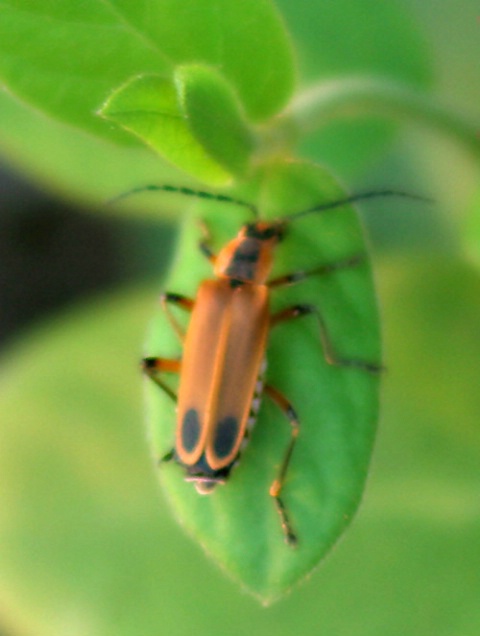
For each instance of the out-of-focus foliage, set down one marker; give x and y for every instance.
(87, 544)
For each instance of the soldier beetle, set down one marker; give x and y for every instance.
(222, 369)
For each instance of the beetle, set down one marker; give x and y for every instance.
(222, 369)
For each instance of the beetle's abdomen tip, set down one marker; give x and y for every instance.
(205, 487)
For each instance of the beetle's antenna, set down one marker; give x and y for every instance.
(356, 197)
(200, 194)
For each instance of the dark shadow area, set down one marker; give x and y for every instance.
(53, 253)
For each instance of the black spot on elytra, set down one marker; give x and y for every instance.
(226, 436)
(190, 430)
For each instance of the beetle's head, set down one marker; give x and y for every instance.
(249, 256)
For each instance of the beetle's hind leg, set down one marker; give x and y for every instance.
(277, 484)
(154, 367)
(297, 311)
(168, 457)
(331, 356)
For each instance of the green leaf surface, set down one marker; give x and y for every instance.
(88, 547)
(337, 407)
(471, 230)
(149, 106)
(345, 39)
(65, 58)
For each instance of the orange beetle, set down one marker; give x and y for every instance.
(226, 339)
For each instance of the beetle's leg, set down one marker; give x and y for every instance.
(153, 367)
(296, 277)
(180, 301)
(204, 244)
(277, 485)
(167, 457)
(297, 311)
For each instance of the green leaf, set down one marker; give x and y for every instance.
(215, 116)
(65, 58)
(195, 122)
(149, 107)
(337, 407)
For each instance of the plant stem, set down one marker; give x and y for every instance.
(357, 96)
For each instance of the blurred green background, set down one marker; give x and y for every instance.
(87, 545)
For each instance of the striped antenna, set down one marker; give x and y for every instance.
(353, 199)
(199, 194)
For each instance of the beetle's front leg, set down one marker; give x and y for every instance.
(320, 270)
(204, 244)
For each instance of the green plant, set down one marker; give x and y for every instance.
(227, 123)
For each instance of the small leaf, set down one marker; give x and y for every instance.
(238, 524)
(149, 107)
(214, 116)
